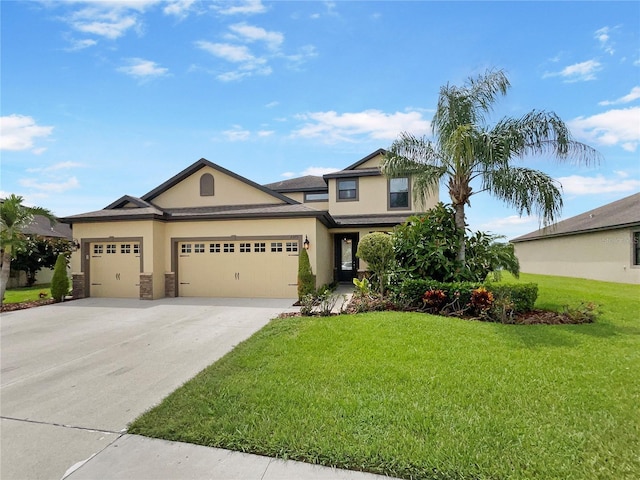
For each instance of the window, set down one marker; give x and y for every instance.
(97, 249)
(399, 193)
(125, 248)
(111, 248)
(316, 197)
(136, 248)
(214, 248)
(292, 246)
(245, 248)
(276, 246)
(348, 190)
(198, 248)
(186, 248)
(260, 247)
(228, 247)
(206, 185)
(636, 248)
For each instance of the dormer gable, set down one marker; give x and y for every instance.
(205, 184)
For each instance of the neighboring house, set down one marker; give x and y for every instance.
(208, 232)
(40, 226)
(601, 244)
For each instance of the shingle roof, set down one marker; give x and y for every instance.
(619, 214)
(42, 226)
(300, 184)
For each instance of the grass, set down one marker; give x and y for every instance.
(426, 397)
(26, 294)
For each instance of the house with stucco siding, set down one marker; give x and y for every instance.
(209, 232)
(601, 244)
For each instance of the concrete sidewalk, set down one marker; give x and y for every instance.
(141, 458)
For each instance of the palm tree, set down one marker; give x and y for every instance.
(466, 148)
(14, 216)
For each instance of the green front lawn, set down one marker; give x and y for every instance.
(26, 294)
(419, 396)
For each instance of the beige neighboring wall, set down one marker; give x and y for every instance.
(322, 250)
(227, 191)
(605, 256)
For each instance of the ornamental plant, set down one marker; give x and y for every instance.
(60, 280)
(306, 278)
(377, 250)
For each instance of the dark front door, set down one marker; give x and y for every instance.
(346, 261)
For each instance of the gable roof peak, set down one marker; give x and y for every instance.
(201, 163)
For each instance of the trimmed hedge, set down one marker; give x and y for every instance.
(522, 295)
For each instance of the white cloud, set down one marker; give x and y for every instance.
(581, 185)
(288, 174)
(56, 167)
(318, 171)
(630, 97)
(143, 69)
(81, 44)
(178, 8)
(374, 124)
(265, 133)
(578, 72)
(250, 33)
(51, 187)
(614, 127)
(248, 7)
(604, 38)
(506, 222)
(237, 134)
(272, 104)
(17, 132)
(248, 64)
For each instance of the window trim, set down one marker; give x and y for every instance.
(207, 185)
(348, 179)
(307, 200)
(408, 207)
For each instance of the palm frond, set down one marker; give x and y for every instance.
(527, 190)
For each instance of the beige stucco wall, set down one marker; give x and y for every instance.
(322, 249)
(603, 256)
(373, 192)
(227, 191)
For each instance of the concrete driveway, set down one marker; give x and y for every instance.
(75, 374)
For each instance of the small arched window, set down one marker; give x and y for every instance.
(206, 185)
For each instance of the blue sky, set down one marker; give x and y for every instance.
(106, 98)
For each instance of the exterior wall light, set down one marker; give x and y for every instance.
(306, 243)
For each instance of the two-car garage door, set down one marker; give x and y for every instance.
(238, 268)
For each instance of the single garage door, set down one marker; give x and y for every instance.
(247, 268)
(114, 269)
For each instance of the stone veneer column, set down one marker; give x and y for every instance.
(170, 284)
(77, 285)
(146, 286)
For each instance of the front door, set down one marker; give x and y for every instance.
(346, 261)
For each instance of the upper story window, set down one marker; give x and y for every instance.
(316, 197)
(399, 193)
(636, 248)
(206, 185)
(347, 190)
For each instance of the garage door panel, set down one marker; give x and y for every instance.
(248, 268)
(115, 269)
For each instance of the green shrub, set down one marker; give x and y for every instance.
(306, 278)
(60, 280)
(376, 249)
(522, 295)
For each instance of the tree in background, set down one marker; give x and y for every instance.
(38, 253)
(14, 217)
(377, 250)
(467, 149)
(60, 280)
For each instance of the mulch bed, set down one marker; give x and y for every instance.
(10, 307)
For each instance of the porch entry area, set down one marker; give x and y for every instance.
(346, 262)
